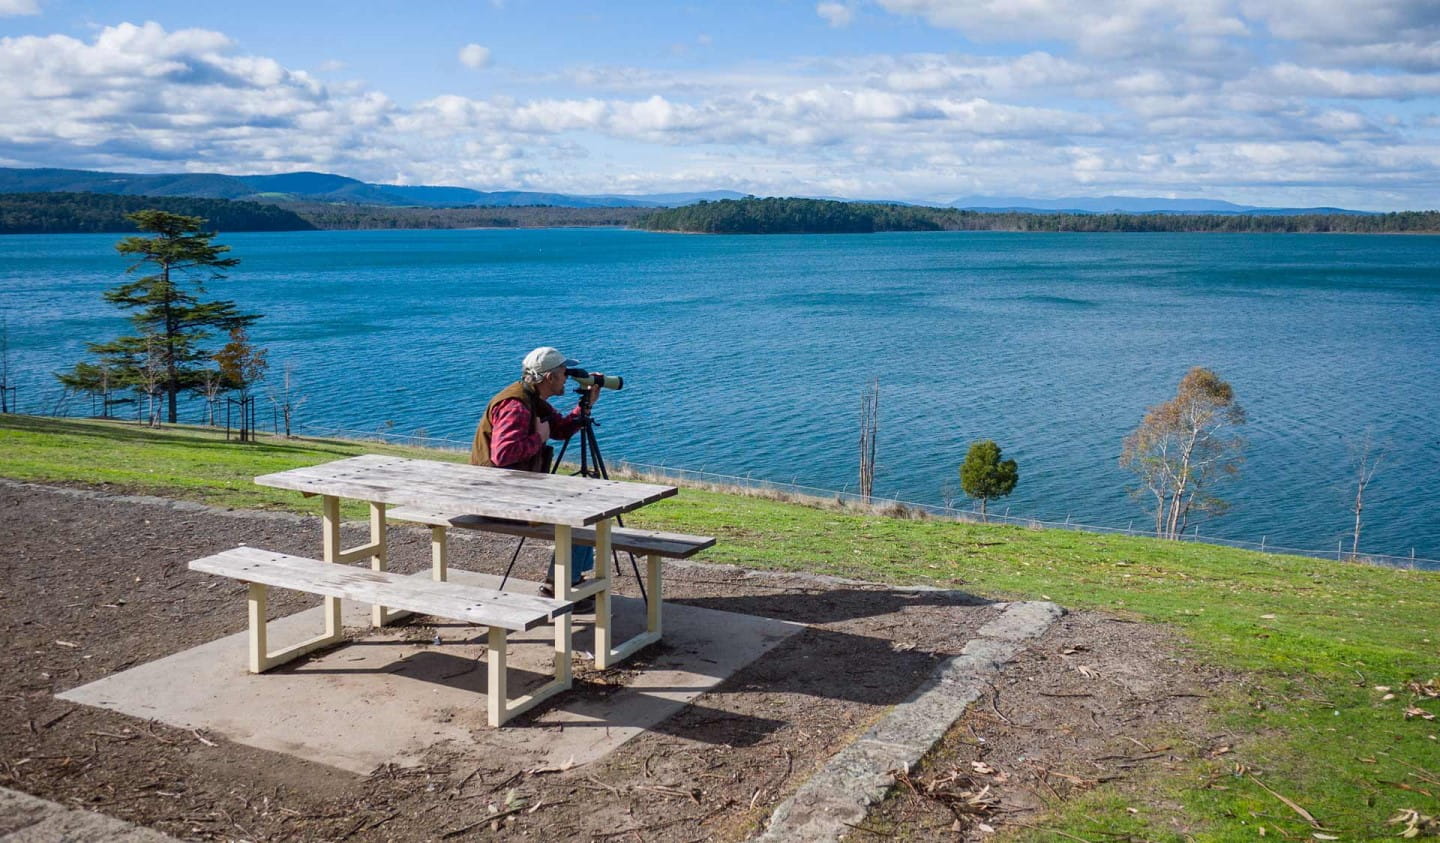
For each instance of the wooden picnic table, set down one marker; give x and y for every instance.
(564, 502)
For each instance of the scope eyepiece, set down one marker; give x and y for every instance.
(587, 379)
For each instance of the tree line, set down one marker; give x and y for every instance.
(824, 216)
(105, 213)
(55, 213)
(351, 217)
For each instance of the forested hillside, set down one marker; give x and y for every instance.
(78, 213)
(335, 216)
(819, 216)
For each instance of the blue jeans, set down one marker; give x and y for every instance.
(582, 559)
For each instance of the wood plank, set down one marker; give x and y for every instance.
(366, 474)
(670, 545)
(425, 596)
(549, 498)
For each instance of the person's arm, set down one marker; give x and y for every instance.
(563, 427)
(513, 438)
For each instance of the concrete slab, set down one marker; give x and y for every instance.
(392, 694)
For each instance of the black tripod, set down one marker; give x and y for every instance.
(592, 464)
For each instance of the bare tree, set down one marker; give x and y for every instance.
(869, 425)
(1182, 447)
(211, 384)
(1365, 459)
(285, 396)
(151, 376)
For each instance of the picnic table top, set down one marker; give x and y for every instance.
(473, 490)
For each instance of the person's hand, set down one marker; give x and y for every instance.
(595, 388)
(542, 427)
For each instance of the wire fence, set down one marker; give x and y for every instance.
(795, 490)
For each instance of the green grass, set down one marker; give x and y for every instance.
(1310, 638)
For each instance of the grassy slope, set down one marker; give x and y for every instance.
(1314, 638)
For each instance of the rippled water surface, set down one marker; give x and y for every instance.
(747, 355)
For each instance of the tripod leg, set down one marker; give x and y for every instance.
(511, 566)
(587, 439)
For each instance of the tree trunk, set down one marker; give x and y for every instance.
(1359, 505)
(172, 378)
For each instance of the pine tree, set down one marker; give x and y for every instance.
(170, 315)
(984, 476)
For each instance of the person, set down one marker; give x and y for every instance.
(518, 422)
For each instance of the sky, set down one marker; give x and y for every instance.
(1279, 103)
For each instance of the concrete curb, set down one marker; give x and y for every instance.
(29, 819)
(841, 793)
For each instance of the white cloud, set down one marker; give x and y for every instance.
(1340, 22)
(1100, 27)
(837, 15)
(475, 56)
(1293, 79)
(139, 97)
(19, 7)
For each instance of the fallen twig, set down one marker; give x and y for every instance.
(1294, 807)
(57, 718)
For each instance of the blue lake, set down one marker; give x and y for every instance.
(748, 355)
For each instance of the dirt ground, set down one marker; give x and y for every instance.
(92, 583)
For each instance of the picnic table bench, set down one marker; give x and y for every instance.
(557, 505)
(502, 612)
(652, 544)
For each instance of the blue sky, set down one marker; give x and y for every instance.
(1267, 102)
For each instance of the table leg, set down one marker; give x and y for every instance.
(439, 555)
(560, 574)
(261, 659)
(379, 561)
(602, 598)
(653, 589)
(330, 520)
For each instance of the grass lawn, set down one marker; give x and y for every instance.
(1314, 640)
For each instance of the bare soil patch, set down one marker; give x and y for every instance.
(92, 583)
(1097, 700)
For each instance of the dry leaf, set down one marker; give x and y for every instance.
(1322, 836)
(1382, 688)
(985, 828)
(903, 647)
(1088, 671)
(1388, 697)
(1267, 617)
(982, 767)
(1416, 711)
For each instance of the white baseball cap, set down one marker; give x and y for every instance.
(545, 359)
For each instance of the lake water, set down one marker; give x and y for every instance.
(748, 355)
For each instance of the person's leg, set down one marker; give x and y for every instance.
(582, 560)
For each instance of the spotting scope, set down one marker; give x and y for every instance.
(588, 379)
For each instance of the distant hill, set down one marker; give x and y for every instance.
(78, 213)
(1127, 205)
(313, 187)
